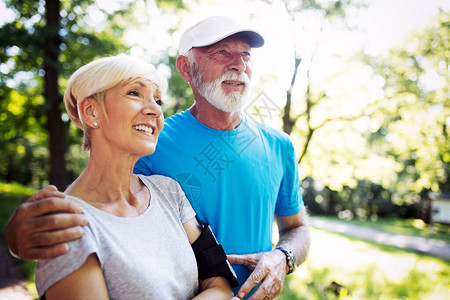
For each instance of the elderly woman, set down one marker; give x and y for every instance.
(137, 244)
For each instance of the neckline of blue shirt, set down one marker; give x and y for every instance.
(238, 129)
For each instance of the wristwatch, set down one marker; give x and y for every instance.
(290, 259)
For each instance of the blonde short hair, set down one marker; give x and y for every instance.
(95, 78)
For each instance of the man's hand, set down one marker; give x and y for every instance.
(40, 226)
(268, 267)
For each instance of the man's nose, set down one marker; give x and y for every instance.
(237, 63)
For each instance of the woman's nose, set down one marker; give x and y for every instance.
(151, 107)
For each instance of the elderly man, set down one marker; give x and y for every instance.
(238, 174)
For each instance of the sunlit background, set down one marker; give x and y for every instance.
(368, 112)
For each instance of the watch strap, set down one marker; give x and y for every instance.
(290, 259)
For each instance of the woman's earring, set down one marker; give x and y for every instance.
(95, 124)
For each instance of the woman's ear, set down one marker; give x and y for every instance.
(89, 112)
(184, 68)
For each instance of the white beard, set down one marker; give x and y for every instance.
(212, 91)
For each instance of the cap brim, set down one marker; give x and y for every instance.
(254, 38)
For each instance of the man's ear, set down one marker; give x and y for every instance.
(89, 111)
(184, 68)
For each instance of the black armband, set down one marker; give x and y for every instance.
(211, 258)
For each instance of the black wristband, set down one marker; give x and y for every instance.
(211, 258)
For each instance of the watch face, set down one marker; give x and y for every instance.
(290, 259)
(294, 260)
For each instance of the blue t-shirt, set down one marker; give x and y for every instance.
(235, 180)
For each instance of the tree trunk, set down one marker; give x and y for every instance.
(331, 207)
(57, 132)
(288, 121)
(305, 147)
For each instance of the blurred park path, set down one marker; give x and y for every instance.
(419, 244)
(11, 280)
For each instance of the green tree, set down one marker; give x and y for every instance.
(384, 153)
(413, 117)
(304, 122)
(179, 90)
(41, 46)
(389, 165)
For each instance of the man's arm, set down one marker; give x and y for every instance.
(270, 268)
(42, 225)
(294, 234)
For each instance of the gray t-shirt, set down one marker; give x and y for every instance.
(143, 257)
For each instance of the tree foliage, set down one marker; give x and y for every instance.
(41, 46)
(181, 96)
(386, 165)
(328, 12)
(414, 116)
(404, 151)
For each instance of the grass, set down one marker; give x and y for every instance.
(11, 196)
(338, 267)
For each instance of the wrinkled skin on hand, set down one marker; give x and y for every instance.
(268, 267)
(42, 225)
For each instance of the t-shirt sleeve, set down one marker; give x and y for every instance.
(290, 200)
(185, 209)
(49, 271)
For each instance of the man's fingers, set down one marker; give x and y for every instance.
(253, 280)
(55, 222)
(48, 191)
(247, 260)
(48, 205)
(49, 230)
(51, 238)
(46, 244)
(270, 273)
(47, 252)
(235, 259)
(49, 244)
(26, 231)
(269, 289)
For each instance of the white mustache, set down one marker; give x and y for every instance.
(230, 75)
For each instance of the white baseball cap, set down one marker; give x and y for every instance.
(214, 29)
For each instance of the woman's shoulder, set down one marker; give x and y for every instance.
(156, 178)
(170, 195)
(161, 182)
(78, 200)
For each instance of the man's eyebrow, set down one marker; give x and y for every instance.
(222, 44)
(213, 48)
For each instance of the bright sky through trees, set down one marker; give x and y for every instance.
(331, 78)
(383, 24)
